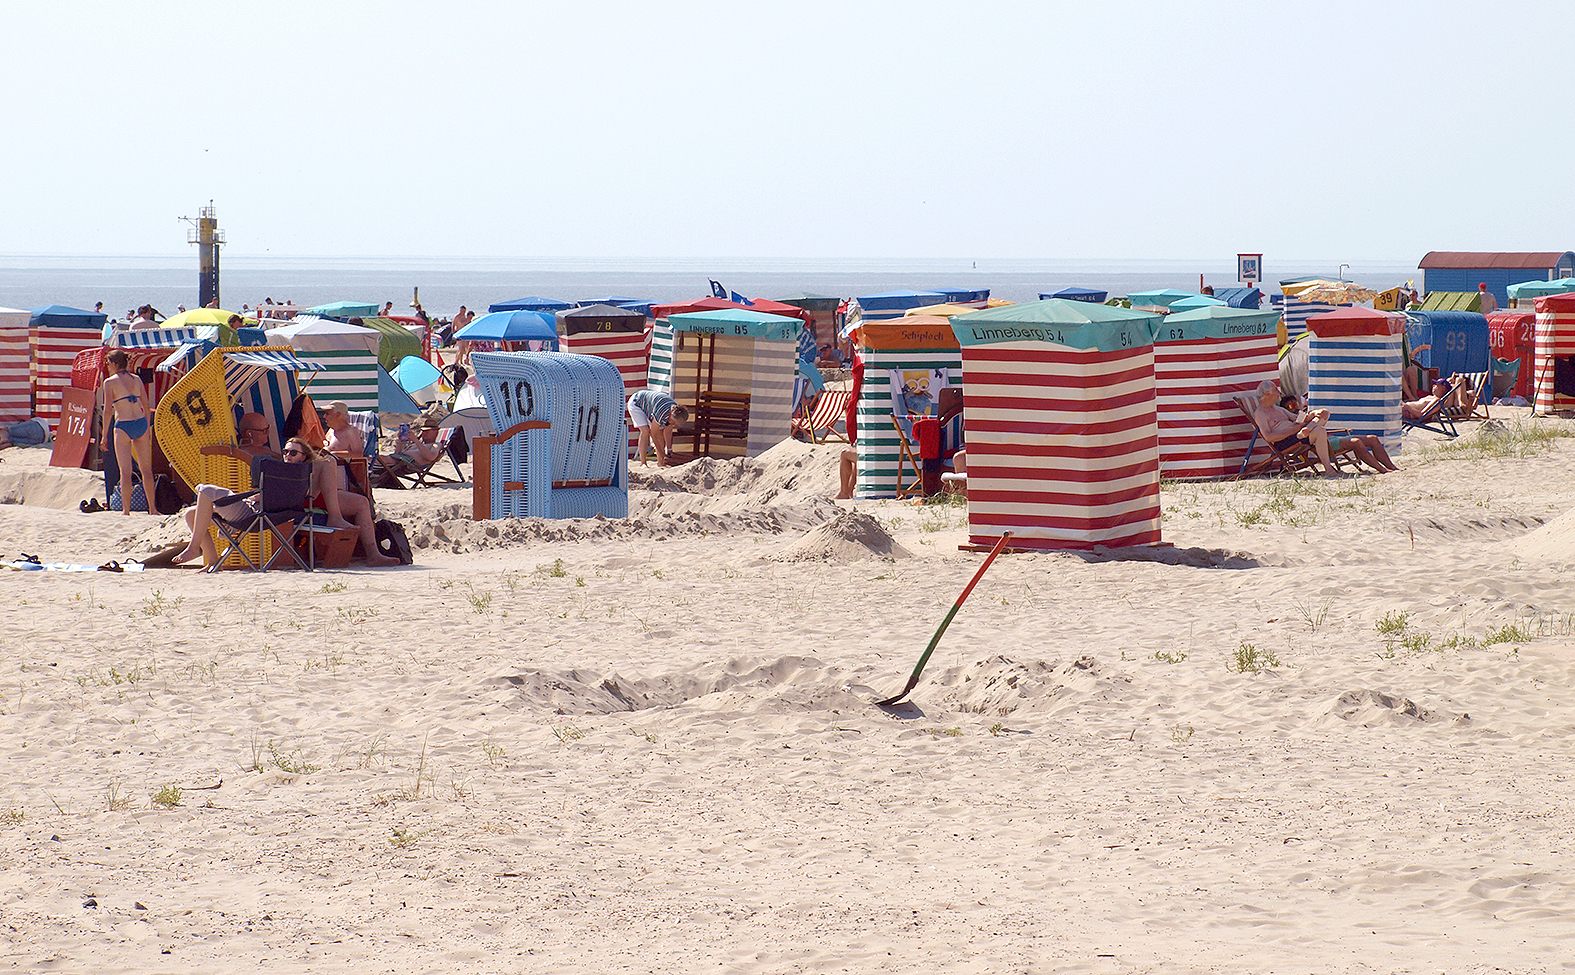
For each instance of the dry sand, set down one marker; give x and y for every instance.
(648, 745)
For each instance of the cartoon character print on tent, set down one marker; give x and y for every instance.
(1354, 360)
(1062, 427)
(16, 392)
(561, 450)
(907, 362)
(1203, 360)
(617, 335)
(348, 354)
(57, 335)
(746, 355)
(202, 408)
(1554, 360)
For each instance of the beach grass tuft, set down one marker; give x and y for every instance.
(168, 797)
(1251, 659)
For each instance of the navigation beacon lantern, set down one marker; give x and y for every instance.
(205, 233)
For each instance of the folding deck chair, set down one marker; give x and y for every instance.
(818, 424)
(1437, 418)
(405, 472)
(1294, 459)
(279, 511)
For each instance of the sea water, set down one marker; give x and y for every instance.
(124, 283)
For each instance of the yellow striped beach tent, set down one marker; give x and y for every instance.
(733, 355)
(917, 351)
(1203, 359)
(1062, 429)
(348, 354)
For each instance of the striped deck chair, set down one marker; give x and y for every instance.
(1437, 418)
(1295, 459)
(1474, 399)
(406, 472)
(819, 423)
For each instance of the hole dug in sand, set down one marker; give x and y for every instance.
(1369, 708)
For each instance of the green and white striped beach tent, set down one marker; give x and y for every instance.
(348, 354)
(916, 344)
(730, 351)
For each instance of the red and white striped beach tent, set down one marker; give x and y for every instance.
(58, 334)
(1061, 425)
(1203, 359)
(1554, 385)
(615, 334)
(1354, 361)
(16, 391)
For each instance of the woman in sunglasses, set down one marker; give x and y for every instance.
(228, 505)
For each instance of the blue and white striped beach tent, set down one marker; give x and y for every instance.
(256, 379)
(158, 338)
(1354, 362)
(577, 466)
(347, 352)
(892, 304)
(731, 350)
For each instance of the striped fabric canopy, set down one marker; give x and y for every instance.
(1555, 340)
(1202, 360)
(1354, 361)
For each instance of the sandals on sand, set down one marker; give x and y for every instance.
(90, 506)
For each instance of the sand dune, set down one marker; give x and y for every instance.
(1326, 729)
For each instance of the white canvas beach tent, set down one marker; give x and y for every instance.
(16, 393)
(348, 354)
(730, 351)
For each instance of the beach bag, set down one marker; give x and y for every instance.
(139, 498)
(391, 540)
(166, 500)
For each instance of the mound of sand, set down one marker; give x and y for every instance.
(1553, 542)
(852, 536)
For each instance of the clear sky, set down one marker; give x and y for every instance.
(976, 129)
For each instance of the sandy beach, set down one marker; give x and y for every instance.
(1326, 728)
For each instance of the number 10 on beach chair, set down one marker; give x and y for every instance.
(561, 449)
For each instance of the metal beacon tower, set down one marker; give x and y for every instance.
(205, 233)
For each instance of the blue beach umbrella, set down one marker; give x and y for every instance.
(532, 303)
(511, 326)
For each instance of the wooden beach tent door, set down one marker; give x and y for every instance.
(1203, 359)
(735, 365)
(922, 344)
(1061, 425)
(615, 334)
(1554, 359)
(1354, 359)
(561, 451)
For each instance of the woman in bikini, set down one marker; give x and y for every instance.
(124, 401)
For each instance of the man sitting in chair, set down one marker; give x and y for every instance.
(1284, 429)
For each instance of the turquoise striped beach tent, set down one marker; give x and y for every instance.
(348, 353)
(1354, 361)
(915, 354)
(1203, 359)
(732, 351)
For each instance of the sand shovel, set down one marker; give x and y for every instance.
(919, 668)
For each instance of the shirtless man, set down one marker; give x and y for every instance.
(1283, 428)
